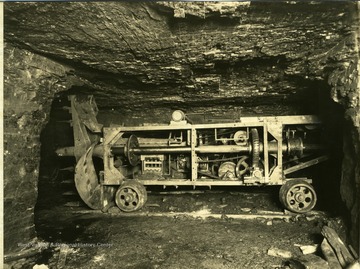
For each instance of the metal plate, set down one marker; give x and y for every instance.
(86, 180)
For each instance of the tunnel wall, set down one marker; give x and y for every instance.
(30, 82)
(350, 180)
(345, 90)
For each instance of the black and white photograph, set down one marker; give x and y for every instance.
(180, 135)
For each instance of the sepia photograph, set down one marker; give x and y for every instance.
(181, 134)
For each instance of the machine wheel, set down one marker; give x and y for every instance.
(298, 196)
(227, 171)
(242, 166)
(131, 196)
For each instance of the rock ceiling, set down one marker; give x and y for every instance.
(200, 54)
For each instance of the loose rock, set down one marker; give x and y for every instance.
(308, 249)
(276, 252)
(310, 261)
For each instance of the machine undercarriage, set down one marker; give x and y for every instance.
(249, 151)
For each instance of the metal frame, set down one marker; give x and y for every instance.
(269, 126)
(91, 139)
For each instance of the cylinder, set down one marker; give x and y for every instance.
(178, 115)
(70, 151)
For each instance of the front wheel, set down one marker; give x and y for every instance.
(298, 196)
(131, 196)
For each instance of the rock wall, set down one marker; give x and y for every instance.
(344, 80)
(30, 82)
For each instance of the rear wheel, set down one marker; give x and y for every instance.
(298, 196)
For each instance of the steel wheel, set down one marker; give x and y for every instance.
(298, 196)
(131, 196)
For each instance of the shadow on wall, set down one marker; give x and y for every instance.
(56, 186)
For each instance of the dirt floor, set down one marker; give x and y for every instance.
(216, 229)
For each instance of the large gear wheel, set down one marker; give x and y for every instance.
(242, 167)
(298, 196)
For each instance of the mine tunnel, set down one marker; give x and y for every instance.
(233, 69)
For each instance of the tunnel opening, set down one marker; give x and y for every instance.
(56, 186)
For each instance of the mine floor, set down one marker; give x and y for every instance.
(217, 229)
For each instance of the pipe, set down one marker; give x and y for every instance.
(200, 149)
(70, 151)
(119, 150)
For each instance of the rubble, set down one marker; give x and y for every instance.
(342, 253)
(308, 249)
(276, 252)
(354, 265)
(64, 250)
(335, 253)
(309, 261)
(330, 255)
